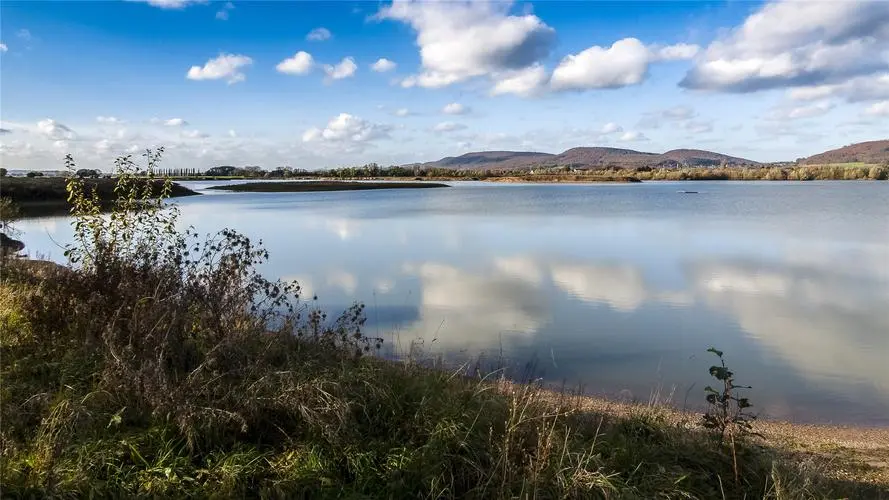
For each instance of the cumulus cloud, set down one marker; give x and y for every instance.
(224, 67)
(625, 63)
(448, 127)
(222, 14)
(344, 69)
(798, 112)
(455, 108)
(525, 82)
(110, 120)
(175, 122)
(878, 109)
(346, 128)
(633, 136)
(789, 43)
(3, 47)
(319, 35)
(863, 88)
(463, 40)
(300, 64)
(55, 130)
(383, 65)
(611, 128)
(678, 52)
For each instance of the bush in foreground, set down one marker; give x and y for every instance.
(160, 364)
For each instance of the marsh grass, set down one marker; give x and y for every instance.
(160, 364)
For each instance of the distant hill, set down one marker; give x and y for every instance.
(864, 152)
(594, 157)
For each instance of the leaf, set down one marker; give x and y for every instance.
(715, 351)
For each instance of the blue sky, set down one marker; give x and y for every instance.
(211, 80)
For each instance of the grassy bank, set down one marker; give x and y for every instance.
(48, 195)
(313, 186)
(160, 364)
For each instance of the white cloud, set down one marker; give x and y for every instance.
(878, 109)
(678, 52)
(611, 128)
(194, 134)
(383, 65)
(300, 64)
(319, 35)
(625, 63)
(3, 47)
(402, 112)
(232, 133)
(863, 88)
(790, 43)
(175, 122)
(807, 111)
(347, 128)
(455, 108)
(170, 4)
(524, 82)
(632, 136)
(24, 34)
(448, 127)
(222, 14)
(344, 69)
(462, 40)
(225, 66)
(55, 130)
(110, 120)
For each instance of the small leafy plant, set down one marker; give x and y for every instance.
(726, 412)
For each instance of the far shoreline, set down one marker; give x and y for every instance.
(321, 186)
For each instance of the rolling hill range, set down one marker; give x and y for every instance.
(593, 157)
(864, 152)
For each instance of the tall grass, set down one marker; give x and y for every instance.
(162, 364)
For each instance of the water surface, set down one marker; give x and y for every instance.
(619, 288)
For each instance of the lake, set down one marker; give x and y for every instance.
(619, 289)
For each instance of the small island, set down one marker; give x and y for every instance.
(315, 186)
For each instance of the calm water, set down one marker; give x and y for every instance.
(619, 288)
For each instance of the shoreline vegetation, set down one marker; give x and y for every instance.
(43, 196)
(161, 364)
(316, 186)
(852, 171)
